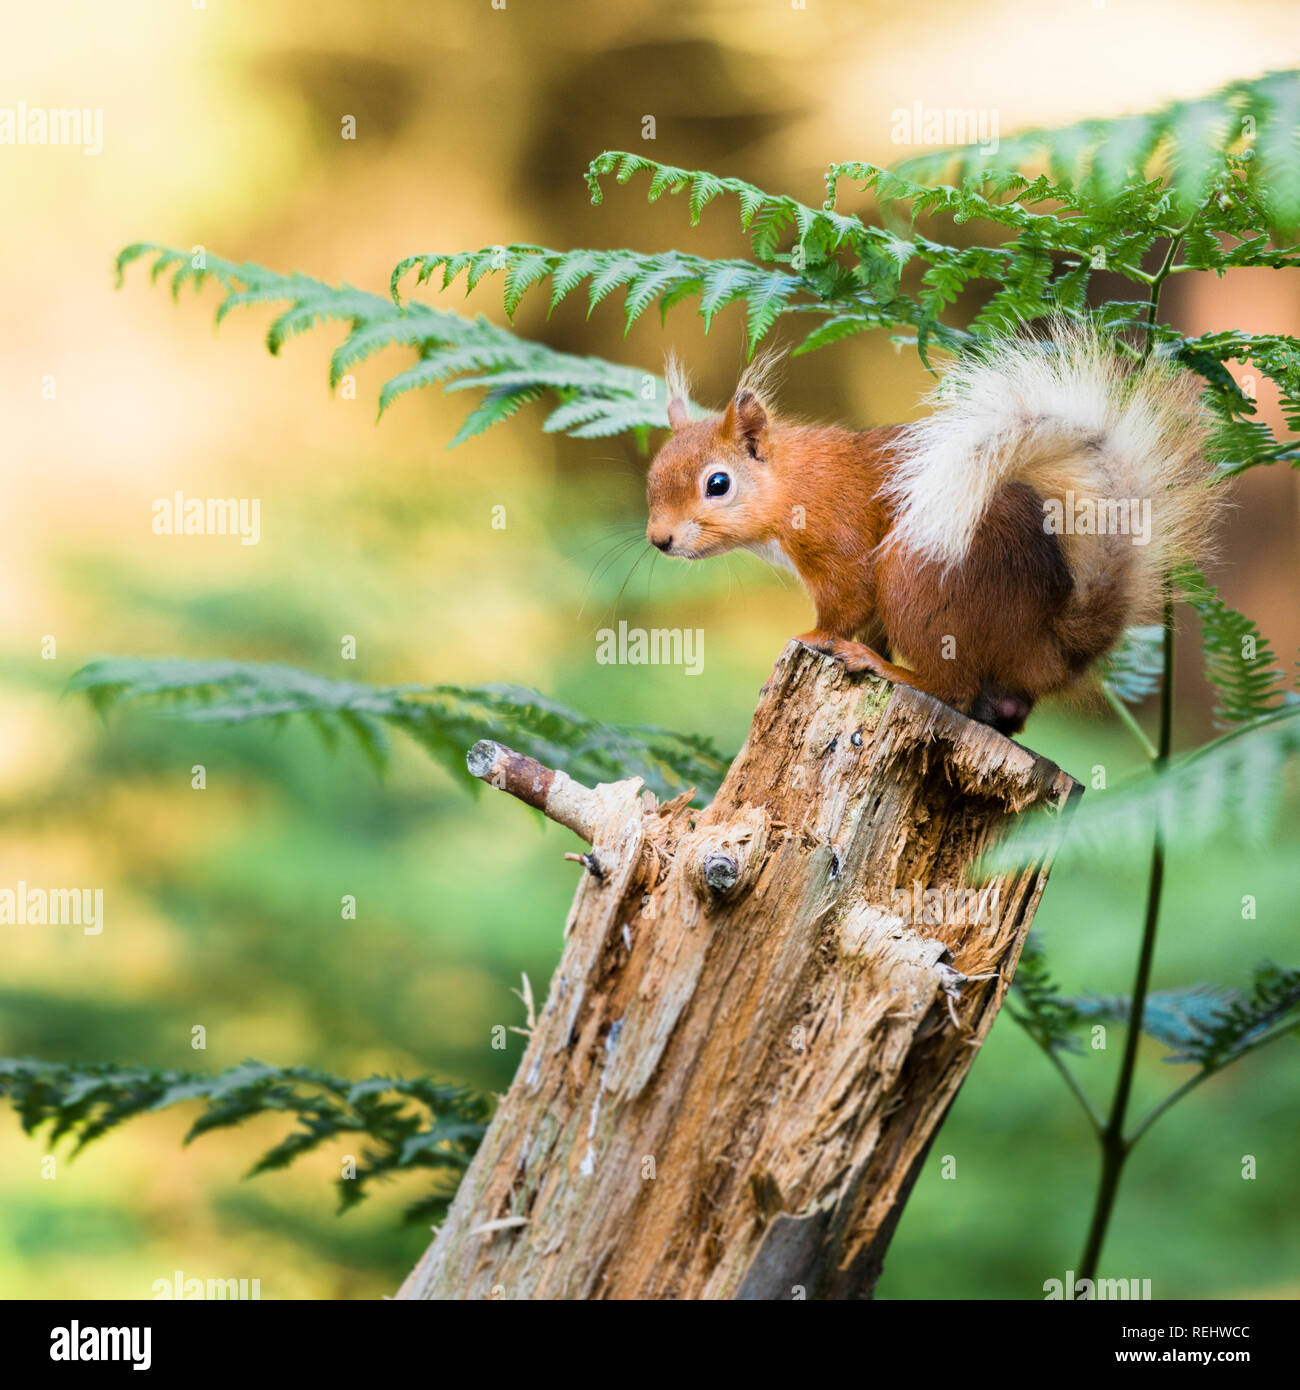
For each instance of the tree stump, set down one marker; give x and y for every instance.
(763, 1009)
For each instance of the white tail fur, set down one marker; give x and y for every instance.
(1062, 415)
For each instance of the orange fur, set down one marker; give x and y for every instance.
(987, 608)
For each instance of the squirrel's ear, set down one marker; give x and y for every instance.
(678, 415)
(746, 422)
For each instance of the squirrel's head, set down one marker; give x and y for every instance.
(711, 487)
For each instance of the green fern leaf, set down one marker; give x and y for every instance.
(1228, 792)
(416, 1123)
(1239, 662)
(523, 273)
(1133, 670)
(446, 720)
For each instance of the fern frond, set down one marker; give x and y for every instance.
(1206, 1025)
(1277, 141)
(1037, 1004)
(450, 346)
(1229, 790)
(645, 279)
(1188, 145)
(867, 289)
(825, 229)
(415, 1124)
(1239, 662)
(1210, 1025)
(1133, 669)
(1241, 1021)
(1242, 441)
(446, 720)
(834, 330)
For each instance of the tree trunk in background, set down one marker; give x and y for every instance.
(752, 1037)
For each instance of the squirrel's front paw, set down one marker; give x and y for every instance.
(855, 656)
(858, 658)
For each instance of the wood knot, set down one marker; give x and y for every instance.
(721, 872)
(722, 861)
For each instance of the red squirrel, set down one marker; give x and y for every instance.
(987, 554)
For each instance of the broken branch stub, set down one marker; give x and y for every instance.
(555, 794)
(763, 1009)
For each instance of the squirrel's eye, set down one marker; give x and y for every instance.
(718, 485)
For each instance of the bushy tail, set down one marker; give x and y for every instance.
(1112, 448)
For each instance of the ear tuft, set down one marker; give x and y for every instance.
(679, 392)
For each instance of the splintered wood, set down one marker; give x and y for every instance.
(763, 1009)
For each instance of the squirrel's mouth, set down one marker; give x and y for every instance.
(698, 552)
(688, 540)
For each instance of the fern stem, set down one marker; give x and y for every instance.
(1283, 1030)
(1129, 722)
(1076, 1087)
(1115, 1149)
(1156, 281)
(1241, 731)
(1159, 1109)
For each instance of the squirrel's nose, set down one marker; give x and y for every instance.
(663, 543)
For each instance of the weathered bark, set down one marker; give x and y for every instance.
(751, 1038)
